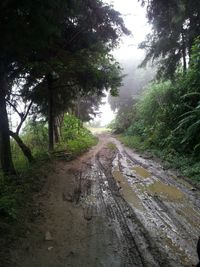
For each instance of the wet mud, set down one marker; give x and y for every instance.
(112, 207)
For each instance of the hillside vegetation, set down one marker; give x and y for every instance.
(166, 119)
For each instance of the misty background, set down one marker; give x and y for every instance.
(130, 57)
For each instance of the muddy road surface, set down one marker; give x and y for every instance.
(112, 207)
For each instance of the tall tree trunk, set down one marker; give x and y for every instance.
(26, 151)
(50, 112)
(56, 133)
(5, 147)
(58, 121)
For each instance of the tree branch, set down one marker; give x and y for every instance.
(14, 107)
(23, 118)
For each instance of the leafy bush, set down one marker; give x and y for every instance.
(72, 127)
(123, 119)
(11, 191)
(80, 145)
(76, 138)
(7, 199)
(35, 135)
(134, 142)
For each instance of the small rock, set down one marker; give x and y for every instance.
(193, 189)
(155, 195)
(71, 253)
(88, 214)
(50, 248)
(131, 175)
(28, 232)
(48, 236)
(67, 197)
(147, 156)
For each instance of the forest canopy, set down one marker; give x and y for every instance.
(55, 57)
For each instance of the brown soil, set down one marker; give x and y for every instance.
(111, 207)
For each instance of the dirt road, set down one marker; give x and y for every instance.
(112, 207)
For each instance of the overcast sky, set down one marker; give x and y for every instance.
(136, 22)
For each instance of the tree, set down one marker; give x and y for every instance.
(81, 60)
(76, 85)
(26, 27)
(14, 102)
(38, 36)
(134, 81)
(175, 25)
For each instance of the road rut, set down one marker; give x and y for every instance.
(112, 207)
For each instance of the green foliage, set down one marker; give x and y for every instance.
(167, 116)
(7, 199)
(61, 49)
(155, 109)
(82, 144)
(187, 164)
(123, 119)
(166, 119)
(134, 142)
(19, 159)
(175, 27)
(76, 138)
(72, 127)
(13, 193)
(35, 135)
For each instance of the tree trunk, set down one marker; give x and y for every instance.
(56, 133)
(5, 147)
(184, 52)
(50, 112)
(26, 151)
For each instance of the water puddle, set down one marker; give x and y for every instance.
(177, 250)
(127, 192)
(192, 216)
(141, 172)
(167, 192)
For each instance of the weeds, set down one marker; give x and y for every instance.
(134, 142)
(14, 190)
(188, 165)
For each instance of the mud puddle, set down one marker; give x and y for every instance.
(126, 191)
(166, 192)
(170, 213)
(143, 173)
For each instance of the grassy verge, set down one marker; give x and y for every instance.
(187, 165)
(79, 145)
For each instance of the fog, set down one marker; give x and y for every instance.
(129, 56)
